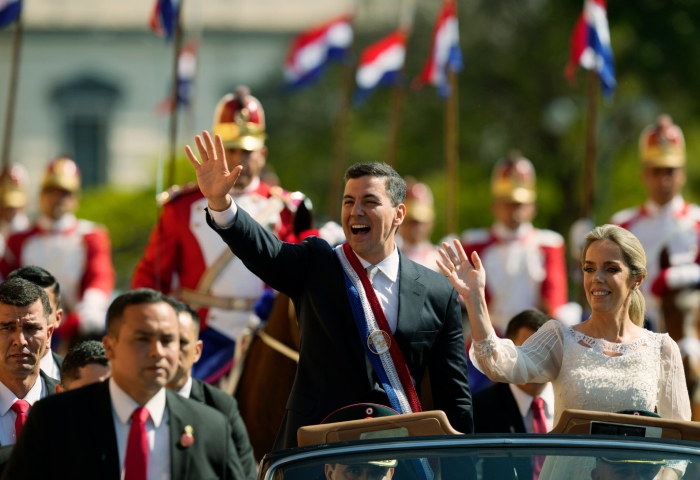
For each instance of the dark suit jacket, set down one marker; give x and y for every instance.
(228, 406)
(57, 358)
(332, 372)
(6, 450)
(496, 411)
(75, 433)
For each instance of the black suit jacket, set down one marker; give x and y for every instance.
(228, 406)
(332, 372)
(496, 411)
(57, 358)
(75, 433)
(6, 450)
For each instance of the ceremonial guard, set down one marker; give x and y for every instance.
(414, 233)
(526, 265)
(187, 259)
(13, 194)
(77, 252)
(667, 226)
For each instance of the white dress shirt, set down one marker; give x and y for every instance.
(49, 366)
(8, 416)
(524, 402)
(157, 429)
(386, 282)
(186, 389)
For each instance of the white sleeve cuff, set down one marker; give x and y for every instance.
(226, 218)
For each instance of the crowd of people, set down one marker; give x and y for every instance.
(377, 305)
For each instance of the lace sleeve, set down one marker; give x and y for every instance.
(673, 401)
(538, 360)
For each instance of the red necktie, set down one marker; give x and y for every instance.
(20, 407)
(136, 460)
(539, 422)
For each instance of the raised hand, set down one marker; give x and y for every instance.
(213, 176)
(470, 282)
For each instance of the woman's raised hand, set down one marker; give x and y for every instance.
(213, 176)
(468, 280)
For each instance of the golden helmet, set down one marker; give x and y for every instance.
(240, 121)
(419, 201)
(62, 173)
(513, 180)
(13, 185)
(662, 144)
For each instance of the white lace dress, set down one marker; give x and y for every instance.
(590, 373)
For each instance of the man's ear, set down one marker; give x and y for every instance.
(328, 471)
(59, 388)
(198, 350)
(59, 317)
(400, 214)
(49, 334)
(108, 342)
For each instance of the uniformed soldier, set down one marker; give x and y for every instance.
(77, 252)
(414, 234)
(187, 259)
(13, 195)
(667, 226)
(526, 265)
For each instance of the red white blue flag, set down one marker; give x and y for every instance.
(164, 18)
(9, 11)
(310, 51)
(186, 73)
(445, 53)
(590, 45)
(380, 64)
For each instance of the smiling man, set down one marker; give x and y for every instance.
(130, 426)
(415, 313)
(25, 333)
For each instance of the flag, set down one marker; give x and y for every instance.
(164, 18)
(9, 11)
(310, 51)
(590, 45)
(445, 53)
(186, 72)
(380, 64)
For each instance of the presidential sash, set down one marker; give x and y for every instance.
(382, 350)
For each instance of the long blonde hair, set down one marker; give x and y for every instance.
(635, 258)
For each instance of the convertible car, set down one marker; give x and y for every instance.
(583, 445)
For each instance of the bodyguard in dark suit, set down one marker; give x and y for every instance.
(189, 387)
(420, 305)
(506, 408)
(130, 424)
(51, 361)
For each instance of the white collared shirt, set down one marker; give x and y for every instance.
(524, 402)
(386, 283)
(49, 366)
(8, 416)
(157, 430)
(186, 389)
(386, 286)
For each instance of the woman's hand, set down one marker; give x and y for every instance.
(468, 280)
(213, 176)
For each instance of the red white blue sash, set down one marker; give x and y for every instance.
(382, 350)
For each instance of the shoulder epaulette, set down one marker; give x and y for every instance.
(549, 238)
(176, 191)
(475, 235)
(624, 216)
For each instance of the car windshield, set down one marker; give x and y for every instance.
(563, 459)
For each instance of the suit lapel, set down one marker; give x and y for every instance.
(49, 383)
(510, 409)
(411, 299)
(197, 392)
(103, 431)
(179, 456)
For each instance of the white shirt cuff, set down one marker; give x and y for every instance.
(226, 218)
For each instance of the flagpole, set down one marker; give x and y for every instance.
(12, 94)
(172, 142)
(406, 13)
(588, 202)
(341, 122)
(452, 153)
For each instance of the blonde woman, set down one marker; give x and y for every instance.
(607, 363)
